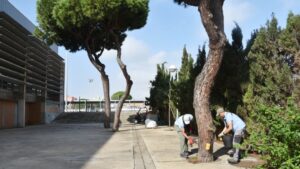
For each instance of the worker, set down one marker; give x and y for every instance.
(182, 126)
(235, 124)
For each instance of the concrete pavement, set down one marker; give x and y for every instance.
(90, 146)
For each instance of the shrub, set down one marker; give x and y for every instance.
(275, 133)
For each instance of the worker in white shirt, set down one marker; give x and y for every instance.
(181, 125)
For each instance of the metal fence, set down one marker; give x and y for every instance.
(98, 106)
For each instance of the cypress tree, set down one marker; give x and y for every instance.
(200, 61)
(290, 47)
(228, 88)
(182, 95)
(270, 77)
(158, 98)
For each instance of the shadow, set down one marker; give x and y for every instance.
(220, 152)
(193, 151)
(68, 146)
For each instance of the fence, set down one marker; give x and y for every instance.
(98, 106)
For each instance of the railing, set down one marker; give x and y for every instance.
(98, 106)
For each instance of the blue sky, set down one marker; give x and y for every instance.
(168, 29)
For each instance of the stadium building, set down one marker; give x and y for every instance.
(31, 73)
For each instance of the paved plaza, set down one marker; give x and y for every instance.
(90, 146)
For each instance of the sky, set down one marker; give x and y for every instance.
(169, 28)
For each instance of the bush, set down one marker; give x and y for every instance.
(275, 133)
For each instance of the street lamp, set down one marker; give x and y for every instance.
(171, 69)
(91, 80)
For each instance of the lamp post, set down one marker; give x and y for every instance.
(91, 80)
(171, 69)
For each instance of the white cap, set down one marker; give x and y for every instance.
(187, 118)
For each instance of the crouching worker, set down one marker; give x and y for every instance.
(182, 126)
(235, 124)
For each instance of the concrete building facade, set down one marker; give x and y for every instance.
(31, 73)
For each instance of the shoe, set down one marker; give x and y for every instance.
(233, 160)
(230, 152)
(187, 153)
(183, 155)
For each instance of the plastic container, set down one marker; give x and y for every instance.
(227, 140)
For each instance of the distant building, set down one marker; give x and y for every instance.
(31, 73)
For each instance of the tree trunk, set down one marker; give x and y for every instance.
(129, 83)
(211, 13)
(105, 83)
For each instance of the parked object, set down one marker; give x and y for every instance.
(150, 123)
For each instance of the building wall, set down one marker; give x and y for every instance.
(31, 73)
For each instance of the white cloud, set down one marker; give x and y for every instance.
(134, 49)
(236, 11)
(140, 66)
(108, 55)
(157, 58)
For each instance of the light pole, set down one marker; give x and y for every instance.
(171, 69)
(66, 83)
(91, 80)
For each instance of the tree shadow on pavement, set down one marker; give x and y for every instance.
(220, 152)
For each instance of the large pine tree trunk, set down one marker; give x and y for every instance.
(94, 58)
(105, 84)
(129, 83)
(211, 13)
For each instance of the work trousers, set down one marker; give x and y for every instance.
(182, 140)
(237, 139)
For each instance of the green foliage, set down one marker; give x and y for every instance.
(92, 24)
(182, 89)
(275, 132)
(274, 120)
(290, 47)
(183, 86)
(200, 61)
(159, 99)
(232, 77)
(270, 80)
(118, 95)
(187, 2)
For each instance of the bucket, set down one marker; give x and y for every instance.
(227, 140)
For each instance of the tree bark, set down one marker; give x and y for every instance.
(129, 83)
(211, 13)
(105, 84)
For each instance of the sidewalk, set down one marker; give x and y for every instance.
(163, 145)
(135, 147)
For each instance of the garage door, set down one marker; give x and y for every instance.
(8, 114)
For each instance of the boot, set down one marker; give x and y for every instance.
(230, 152)
(233, 160)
